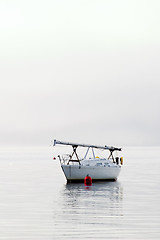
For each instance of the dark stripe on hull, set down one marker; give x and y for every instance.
(93, 180)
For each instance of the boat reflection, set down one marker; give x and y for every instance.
(104, 197)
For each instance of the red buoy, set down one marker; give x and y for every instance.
(88, 180)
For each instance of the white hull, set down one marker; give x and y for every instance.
(78, 173)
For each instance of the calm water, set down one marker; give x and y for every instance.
(36, 202)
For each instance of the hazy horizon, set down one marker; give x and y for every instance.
(80, 71)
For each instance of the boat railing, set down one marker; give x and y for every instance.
(67, 158)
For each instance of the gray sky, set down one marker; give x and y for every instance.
(85, 71)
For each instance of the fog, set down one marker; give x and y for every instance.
(83, 71)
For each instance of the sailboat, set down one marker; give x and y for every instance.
(99, 169)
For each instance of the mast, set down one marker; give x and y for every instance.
(86, 145)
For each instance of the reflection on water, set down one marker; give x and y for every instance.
(106, 195)
(89, 208)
